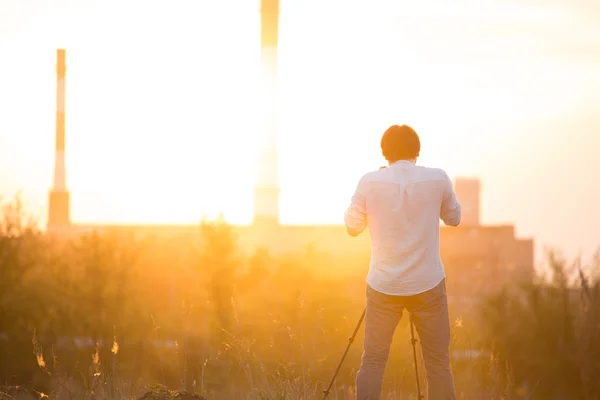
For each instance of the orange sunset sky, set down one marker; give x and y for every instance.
(162, 117)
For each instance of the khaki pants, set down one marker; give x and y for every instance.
(430, 316)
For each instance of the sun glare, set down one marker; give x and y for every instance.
(166, 108)
(164, 134)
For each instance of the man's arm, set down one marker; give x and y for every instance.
(450, 211)
(355, 216)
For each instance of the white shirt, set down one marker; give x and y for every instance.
(403, 205)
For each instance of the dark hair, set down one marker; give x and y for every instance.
(400, 143)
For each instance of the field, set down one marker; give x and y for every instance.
(114, 317)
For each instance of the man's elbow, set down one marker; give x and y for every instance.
(453, 220)
(355, 224)
(355, 228)
(352, 232)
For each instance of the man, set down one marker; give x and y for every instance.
(402, 205)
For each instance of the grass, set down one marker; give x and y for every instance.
(249, 377)
(161, 323)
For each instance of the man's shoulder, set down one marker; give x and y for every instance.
(418, 173)
(371, 176)
(431, 173)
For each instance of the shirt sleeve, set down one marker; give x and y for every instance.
(451, 211)
(355, 216)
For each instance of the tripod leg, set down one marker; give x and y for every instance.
(413, 341)
(350, 340)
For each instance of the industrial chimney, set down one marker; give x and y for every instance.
(266, 192)
(59, 208)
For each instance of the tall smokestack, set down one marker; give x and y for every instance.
(266, 193)
(59, 209)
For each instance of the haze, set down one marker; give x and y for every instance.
(162, 122)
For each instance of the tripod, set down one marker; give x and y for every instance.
(413, 341)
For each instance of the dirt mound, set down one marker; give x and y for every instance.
(170, 395)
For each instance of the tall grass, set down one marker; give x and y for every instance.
(115, 317)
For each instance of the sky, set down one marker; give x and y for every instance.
(163, 122)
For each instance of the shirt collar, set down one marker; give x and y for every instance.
(403, 162)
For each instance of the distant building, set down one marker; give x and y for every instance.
(479, 259)
(468, 194)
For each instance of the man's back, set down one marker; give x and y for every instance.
(403, 205)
